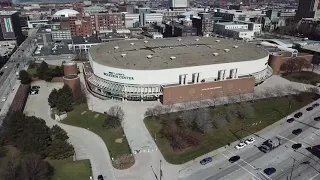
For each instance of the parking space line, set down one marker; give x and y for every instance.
(314, 176)
(242, 167)
(290, 140)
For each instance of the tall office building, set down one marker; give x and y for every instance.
(10, 26)
(306, 9)
(176, 4)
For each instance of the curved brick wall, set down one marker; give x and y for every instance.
(70, 68)
(73, 81)
(275, 62)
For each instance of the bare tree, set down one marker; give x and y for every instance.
(203, 120)
(313, 90)
(158, 109)
(278, 91)
(267, 93)
(291, 90)
(231, 100)
(219, 119)
(117, 112)
(187, 118)
(149, 113)
(33, 167)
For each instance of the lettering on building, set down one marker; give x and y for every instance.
(118, 75)
(212, 88)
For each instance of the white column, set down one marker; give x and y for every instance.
(224, 75)
(198, 77)
(236, 73)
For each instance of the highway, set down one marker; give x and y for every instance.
(22, 53)
(253, 161)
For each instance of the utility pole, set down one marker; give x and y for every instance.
(160, 170)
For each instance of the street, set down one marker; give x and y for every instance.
(253, 161)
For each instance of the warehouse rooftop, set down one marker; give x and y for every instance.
(175, 52)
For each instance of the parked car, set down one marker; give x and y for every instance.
(240, 146)
(1, 73)
(100, 177)
(315, 105)
(206, 161)
(234, 159)
(298, 114)
(317, 118)
(290, 120)
(6, 67)
(250, 140)
(297, 131)
(269, 171)
(296, 146)
(309, 108)
(35, 87)
(3, 99)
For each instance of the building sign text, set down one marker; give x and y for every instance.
(118, 75)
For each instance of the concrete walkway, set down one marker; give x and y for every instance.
(87, 144)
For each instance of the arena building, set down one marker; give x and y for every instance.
(175, 70)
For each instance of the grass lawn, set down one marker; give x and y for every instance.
(267, 112)
(65, 169)
(94, 121)
(68, 169)
(307, 77)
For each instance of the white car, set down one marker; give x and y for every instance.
(250, 140)
(3, 99)
(6, 67)
(240, 146)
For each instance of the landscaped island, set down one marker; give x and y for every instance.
(187, 134)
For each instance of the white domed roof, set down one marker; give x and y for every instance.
(66, 12)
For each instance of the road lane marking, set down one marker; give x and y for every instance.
(290, 140)
(241, 167)
(314, 176)
(243, 160)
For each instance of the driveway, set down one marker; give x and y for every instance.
(87, 144)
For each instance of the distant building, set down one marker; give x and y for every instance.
(61, 35)
(10, 27)
(306, 9)
(204, 23)
(133, 20)
(83, 44)
(175, 29)
(238, 30)
(176, 4)
(230, 16)
(104, 22)
(129, 8)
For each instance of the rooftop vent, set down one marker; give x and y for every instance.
(172, 57)
(149, 56)
(197, 45)
(197, 39)
(217, 40)
(116, 47)
(235, 46)
(123, 55)
(132, 43)
(226, 50)
(170, 47)
(145, 41)
(215, 54)
(179, 39)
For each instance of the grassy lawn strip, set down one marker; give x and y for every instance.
(306, 77)
(68, 169)
(267, 112)
(81, 116)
